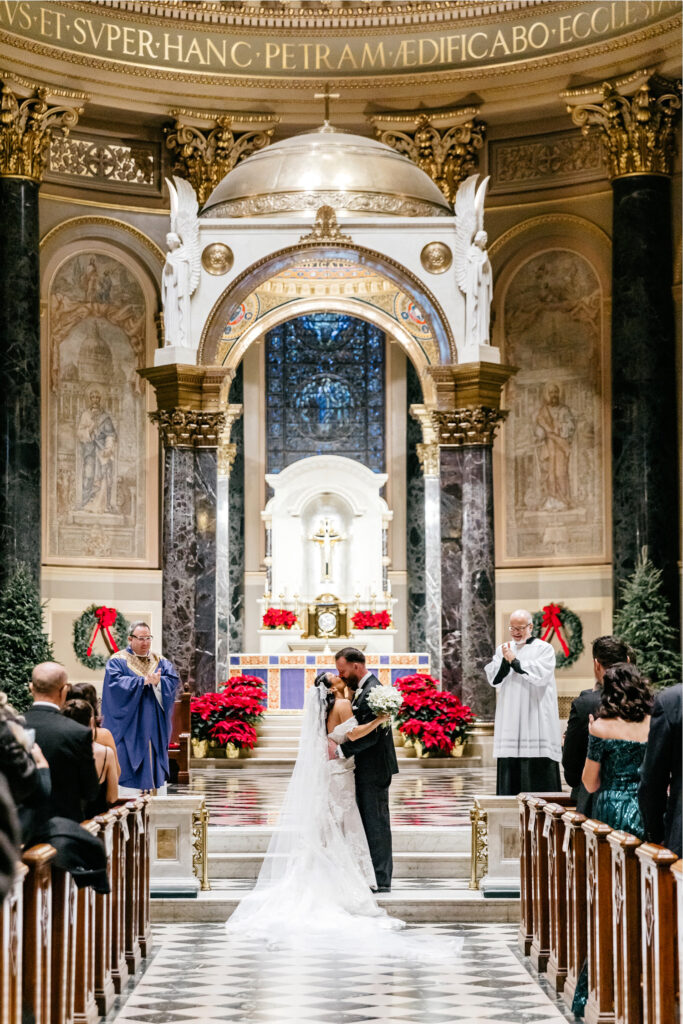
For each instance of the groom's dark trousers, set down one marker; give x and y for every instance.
(375, 764)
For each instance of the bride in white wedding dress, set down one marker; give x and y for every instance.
(314, 888)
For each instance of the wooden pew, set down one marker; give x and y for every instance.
(658, 933)
(37, 933)
(525, 936)
(63, 946)
(179, 743)
(85, 1005)
(677, 872)
(144, 921)
(574, 843)
(11, 949)
(131, 941)
(557, 892)
(120, 835)
(104, 985)
(600, 1005)
(540, 945)
(626, 924)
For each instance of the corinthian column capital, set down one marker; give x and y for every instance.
(635, 119)
(205, 147)
(26, 127)
(468, 402)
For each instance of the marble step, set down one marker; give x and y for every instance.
(277, 757)
(406, 865)
(415, 900)
(406, 839)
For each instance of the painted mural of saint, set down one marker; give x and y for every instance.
(97, 437)
(555, 428)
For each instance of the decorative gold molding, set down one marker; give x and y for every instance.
(562, 221)
(189, 388)
(325, 228)
(637, 132)
(436, 257)
(94, 221)
(26, 127)
(469, 426)
(205, 157)
(469, 384)
(189, 428)
(448, 156)
(217, 259)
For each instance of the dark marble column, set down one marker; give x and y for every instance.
(179, 560)
(25, 130)
(20, 374)
(645, 458)
(637, 128)
(205, 493)
(451, 570)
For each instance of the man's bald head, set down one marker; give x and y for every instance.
(48, 681)
(522, 615)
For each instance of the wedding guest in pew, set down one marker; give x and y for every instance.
(26, 771)
(9, 838)
(607, 651)
(659, 793)
(86, 691)
(617, 740)
(106, 764)
(67, 745)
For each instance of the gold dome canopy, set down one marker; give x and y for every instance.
(327, 167)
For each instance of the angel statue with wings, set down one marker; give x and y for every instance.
(472, 265)
(181, 271)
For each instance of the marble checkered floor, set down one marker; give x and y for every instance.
(199, 976)
(418, 796)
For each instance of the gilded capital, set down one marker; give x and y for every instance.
(189, 428)
(227, 454)
(637, 129)
(204, 153)
(428, 450)
(469, 426)
(445, 145)
(26, 127)
(227, 451)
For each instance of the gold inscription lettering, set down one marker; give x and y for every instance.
(424, 58)
(470, 50)
(594, 20)
(406, 57)
(575, 22)
(233, 54)
(129, 41)
(370, 59)
(519, 43)
(113, 35)
(347, 55)
(168, 46)
(288, 58)
(95, 38)
(322, 54)
(499, 41)
(272, 51)
(194, 50)
(219, 54)
(545, 32)
(146, 42)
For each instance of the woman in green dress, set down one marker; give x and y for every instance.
(617, 739)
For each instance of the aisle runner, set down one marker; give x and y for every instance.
(199, 976)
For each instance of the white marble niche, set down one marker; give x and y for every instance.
(338, 496)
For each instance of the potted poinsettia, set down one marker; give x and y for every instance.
(371, 620)
(241, 699)
(433, 721)
(279, 618)
(233, 736)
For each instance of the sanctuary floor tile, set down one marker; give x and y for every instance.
(425, 796)
(198, 975)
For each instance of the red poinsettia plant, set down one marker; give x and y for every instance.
(434, 717)
(241, 699)
(240, 734)
(371, 620)
(279, 618)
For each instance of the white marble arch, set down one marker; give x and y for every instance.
(348, 494)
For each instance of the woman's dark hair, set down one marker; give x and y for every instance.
(323, 680)
(80, 710)
(625, 694)
(86, 691)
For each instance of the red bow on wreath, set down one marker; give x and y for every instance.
(106, 617)
(551, 624)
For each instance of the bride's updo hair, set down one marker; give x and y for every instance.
(323, 681)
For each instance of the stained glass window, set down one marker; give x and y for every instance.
(325, 390)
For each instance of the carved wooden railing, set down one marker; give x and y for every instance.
(594, 895)
(59, 946)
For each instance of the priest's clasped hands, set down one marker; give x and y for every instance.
(154, 678)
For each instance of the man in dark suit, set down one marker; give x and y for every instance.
(66, 745)
(659, 793)
(607, 651)
(375, 764)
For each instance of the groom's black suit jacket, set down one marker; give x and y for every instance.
(375, 754)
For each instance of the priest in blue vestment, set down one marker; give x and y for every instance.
(137, 704)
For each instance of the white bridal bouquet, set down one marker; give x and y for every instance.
(385, 700)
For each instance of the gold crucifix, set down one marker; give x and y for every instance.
(327, 96)
(326, 536)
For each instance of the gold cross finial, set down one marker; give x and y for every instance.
(327, 96)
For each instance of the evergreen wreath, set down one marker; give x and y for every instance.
(84, 627)
(572, 632)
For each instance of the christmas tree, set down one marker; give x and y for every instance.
(643, 622)
(23, 644)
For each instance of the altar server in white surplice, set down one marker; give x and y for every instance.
(526, 737)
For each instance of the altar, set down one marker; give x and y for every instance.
(288, 676)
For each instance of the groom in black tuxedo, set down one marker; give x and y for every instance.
(375, 764)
